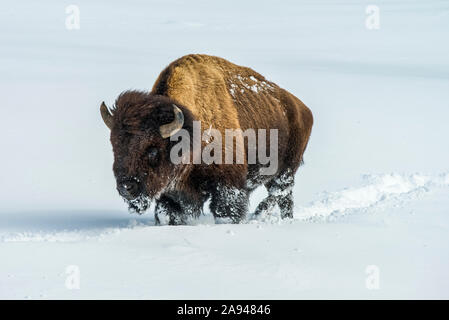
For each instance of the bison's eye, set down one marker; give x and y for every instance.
(153, 156)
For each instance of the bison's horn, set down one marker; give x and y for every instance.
(169, 129)
(106, 115)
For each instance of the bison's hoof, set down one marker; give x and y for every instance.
(225, 220)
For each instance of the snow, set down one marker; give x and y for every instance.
(377, 190)
(254, 85)
(372, 194)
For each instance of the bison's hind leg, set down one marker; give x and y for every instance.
(229, 204)
(280, 193)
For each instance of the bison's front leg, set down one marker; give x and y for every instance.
(229, 204)
(168, 211)
(175, 209)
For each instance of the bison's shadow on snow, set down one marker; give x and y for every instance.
(70, 220)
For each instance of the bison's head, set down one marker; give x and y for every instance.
(141, 125)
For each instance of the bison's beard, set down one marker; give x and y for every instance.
(138, 205)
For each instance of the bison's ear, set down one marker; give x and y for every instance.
(169, 129)
(106, 115)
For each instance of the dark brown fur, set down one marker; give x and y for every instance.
(221, 95)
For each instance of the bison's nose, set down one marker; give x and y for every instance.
(128, 189)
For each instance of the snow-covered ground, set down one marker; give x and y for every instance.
(371, 202)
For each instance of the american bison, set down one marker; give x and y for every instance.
(218, 94)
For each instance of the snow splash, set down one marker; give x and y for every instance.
(376, 191)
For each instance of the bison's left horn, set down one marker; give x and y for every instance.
(106, 115)
(169, 129)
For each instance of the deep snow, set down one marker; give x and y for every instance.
(373, 191)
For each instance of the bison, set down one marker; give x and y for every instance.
(219, 95)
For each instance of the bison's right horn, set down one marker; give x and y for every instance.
(106, 115)
(169, 129)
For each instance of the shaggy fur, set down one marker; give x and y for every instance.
(222, 96)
